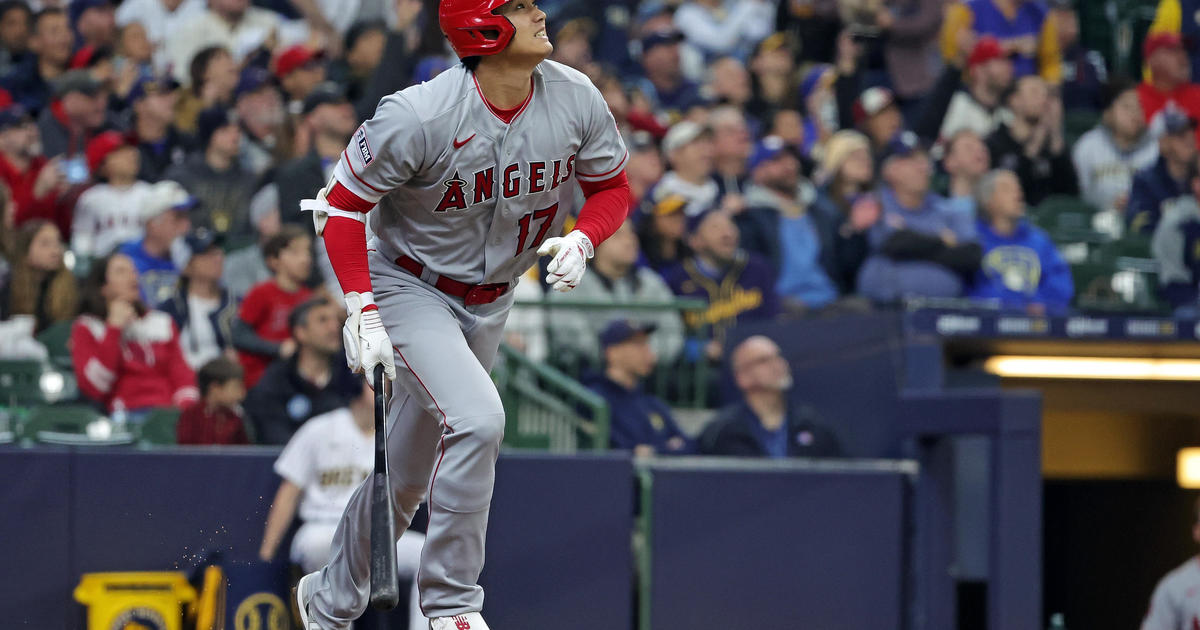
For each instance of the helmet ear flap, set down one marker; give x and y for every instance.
(473, 28)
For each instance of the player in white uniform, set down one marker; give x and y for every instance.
(321, 466)
(464, 178)
(1175, 604)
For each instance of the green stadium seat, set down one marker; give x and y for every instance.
(56, 338)
(1067, 219)
(66, 424)
(159, 427)
(26, 382)
(1076, 123)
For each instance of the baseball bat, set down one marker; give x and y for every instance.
(385, 590)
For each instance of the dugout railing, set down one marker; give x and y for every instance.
(547, 409)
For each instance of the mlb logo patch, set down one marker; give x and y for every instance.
(364, 149)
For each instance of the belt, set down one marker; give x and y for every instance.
(470, 294)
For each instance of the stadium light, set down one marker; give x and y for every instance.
(1102, 368)
(1187, 467)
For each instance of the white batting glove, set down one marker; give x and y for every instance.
(366, 340)
(571, 253)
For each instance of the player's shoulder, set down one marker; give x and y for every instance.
(430, 99)
(561, 77)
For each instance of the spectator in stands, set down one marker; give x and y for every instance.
(573, 47)
(645, 167)
(1175, 240)
(1169, 78)
(617, 279)
(1171, 603)
(16, 24)
(216, 418)
(39, 284)
(1021, 267)
(728, 83)
(1031, 142)
(663, 84)
(160, 18)
(848, 173)
(95, 22)
(232, 24)
(116, 208)
(979, 106)
(51, 43)
(312, 381)
(773, 80)
(125, 355)
(34, 183)
(1157, 187)
(259, 108)
(966, 162)
(328, 120)
(1107, 156)
(212, 79)
(134, 59)
(639, 421)
(662, 231)
(689, 150)
(1021, 28)
(364, 46)
(878, 116)
(76, 115)
(765, 423)
(783, 223)
(909, 30)
(737, 285)
(918, 247)
(721, 27)
(165, 218)
(1084, 71)
(261, 332)
(299, 70)
(247, 267)
(320, 468)
(732, 143)
(214, 175)
(202, 309)
(152, 100)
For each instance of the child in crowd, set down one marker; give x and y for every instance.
(261, 331)
(217, 417)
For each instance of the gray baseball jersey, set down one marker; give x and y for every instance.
(450, 176)
(1175, 604)
(471, 198)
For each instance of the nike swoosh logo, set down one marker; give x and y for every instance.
(458, 144)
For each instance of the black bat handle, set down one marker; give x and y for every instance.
(385, 589)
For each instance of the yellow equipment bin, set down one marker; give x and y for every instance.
(141, 600)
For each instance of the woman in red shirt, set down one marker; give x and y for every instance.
(126, 355)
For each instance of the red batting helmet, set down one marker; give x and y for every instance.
(472, 28)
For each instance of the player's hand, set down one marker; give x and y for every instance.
(366, 340)
(571, 253)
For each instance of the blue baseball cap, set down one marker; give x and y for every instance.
(660, 38)
(622, 330)
(765, 150)
(150, 84)
(1176, 120)
(251, 79)
(902, 144)
(14, 115)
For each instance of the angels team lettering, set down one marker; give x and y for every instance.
(511, 181)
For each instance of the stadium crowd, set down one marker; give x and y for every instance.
(788, 159)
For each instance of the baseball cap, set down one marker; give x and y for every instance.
(660, 38)
(872, 101)
(149, 85)
(985, 50)
(100, 146)
(13, 115)
(683, 133)
(76, 81)
(212, 119)
(199, 241)
(251, 79)
(78, 7)
(622, 330)
(820, 75)
(295, 57)
(904, 144)
(167, 195)
(766, 149)
(324, 94)
(1176, 120)
(1160, 40)
(669, 203)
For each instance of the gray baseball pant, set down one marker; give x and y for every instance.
(446, 423)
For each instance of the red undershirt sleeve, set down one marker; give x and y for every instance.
(346, 241)
(606, 207)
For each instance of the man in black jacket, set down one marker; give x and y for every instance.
(765, 423)
(313, 381)
(1032, 144)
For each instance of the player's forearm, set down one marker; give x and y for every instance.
(606, 207)
(346, 244)
(283, 510)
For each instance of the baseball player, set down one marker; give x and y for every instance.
(1175, 604)
(465, 179)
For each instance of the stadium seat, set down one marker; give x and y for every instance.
(66, 424)
(159, 427)
(56, 338)
(1076, 123)
(25, 382)
(1067, 219)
